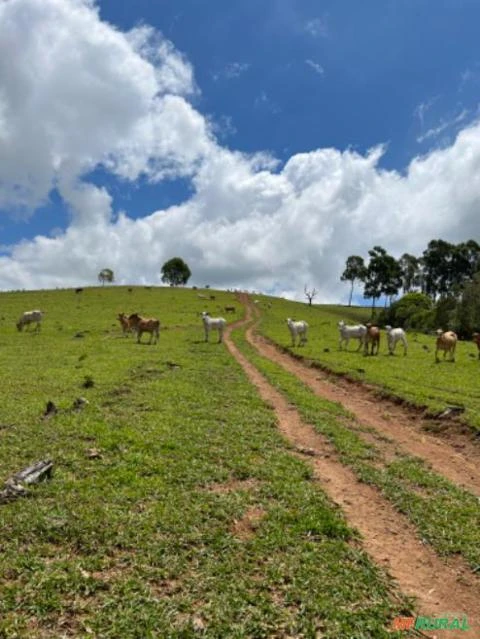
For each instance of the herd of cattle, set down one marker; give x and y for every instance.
(368, 335)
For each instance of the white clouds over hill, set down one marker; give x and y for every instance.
(76, 93)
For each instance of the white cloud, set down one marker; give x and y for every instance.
(79, 94)
(231, 71)
(444, 125)
(315, 66)
(316, 27)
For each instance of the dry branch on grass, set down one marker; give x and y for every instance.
(14, 486)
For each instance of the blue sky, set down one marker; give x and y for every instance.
(284, 78)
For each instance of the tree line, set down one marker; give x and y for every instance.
(441, 288)
(443, 270)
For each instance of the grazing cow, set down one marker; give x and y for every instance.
(476, 339)
(30, 317)
(299, 328)
(216, 323)
(446, 342)
(372, 336)
(145, 325)
(79, 290)
(356, 331)
(125, 323)
(395, 335)
(229, 309)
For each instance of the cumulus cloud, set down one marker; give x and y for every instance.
(80, 94)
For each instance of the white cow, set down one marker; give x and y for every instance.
(216, 323)
(299, 328)
(357, 331)
(30, 317)
(395, 335)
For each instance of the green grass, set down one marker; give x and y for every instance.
(195, 519)
(416, 378)
(446, 516)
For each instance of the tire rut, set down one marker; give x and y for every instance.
(388, 536)
(457, 460)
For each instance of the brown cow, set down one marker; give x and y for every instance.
(446, 342)
(145, 325)
(127, 327)
(372, 336)
(476, 339)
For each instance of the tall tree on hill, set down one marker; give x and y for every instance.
(437, 263)
(176, 272)
(464, 264)
(354, 270)
(383, 276)
(106, 275)
(410, 272)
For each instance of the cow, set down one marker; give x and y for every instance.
(372, 336)
(446, 342)
(145, 325)
(30, 317)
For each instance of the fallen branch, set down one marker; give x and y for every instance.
(14, 485)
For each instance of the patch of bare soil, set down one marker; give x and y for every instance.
(457, 458)
(245, 527)
(388, 536)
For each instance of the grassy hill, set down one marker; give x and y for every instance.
(175, 508)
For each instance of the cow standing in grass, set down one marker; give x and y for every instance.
(297, 329)
(215, 323)
(145, 325)
(446, 342)
(30, 317)
(347, 333)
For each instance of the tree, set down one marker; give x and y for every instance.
(410, 272)
(437, 263)
(175, 272)
(467, 318)
(383, 275)
(310, 294)
(106, 275)
(355, 270)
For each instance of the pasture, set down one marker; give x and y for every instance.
(175, 508)
(415, 378)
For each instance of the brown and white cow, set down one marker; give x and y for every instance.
(446, 342)
(372, 336)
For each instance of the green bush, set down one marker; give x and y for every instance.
(413, 310)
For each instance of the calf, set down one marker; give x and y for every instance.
(372, 336)
(145, 325)
(125, 323)
(30, 317)
(446, 342)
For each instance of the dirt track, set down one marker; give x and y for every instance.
(388, 536)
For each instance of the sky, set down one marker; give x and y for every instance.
(261, 141)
